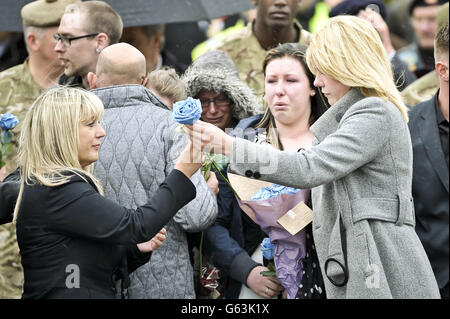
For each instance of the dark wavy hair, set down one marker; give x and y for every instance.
(318, 102)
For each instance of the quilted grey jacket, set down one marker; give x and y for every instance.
(140, 149)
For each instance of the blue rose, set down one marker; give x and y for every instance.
(268, 249)
(187, 111)
(8, 121)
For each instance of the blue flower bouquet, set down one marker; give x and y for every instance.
(268, 205)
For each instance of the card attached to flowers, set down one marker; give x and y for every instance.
(296, 219)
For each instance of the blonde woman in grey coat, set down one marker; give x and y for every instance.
(359, 169)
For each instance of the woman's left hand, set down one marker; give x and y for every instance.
(153, 243)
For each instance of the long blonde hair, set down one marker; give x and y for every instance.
(48, 144)
(349, 49)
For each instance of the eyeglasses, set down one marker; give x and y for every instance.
(68, 41)
(219, 101)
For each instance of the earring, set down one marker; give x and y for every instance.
(97, 50)
(313, 93)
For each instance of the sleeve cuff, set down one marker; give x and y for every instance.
(178, 180)
(137, 254)
(136, 258)
(241, 266)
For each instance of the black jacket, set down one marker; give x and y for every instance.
(430, 187)
(73, 240)
(9, 189)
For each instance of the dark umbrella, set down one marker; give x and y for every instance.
(142, 12)
(145, 12)
(10, 19)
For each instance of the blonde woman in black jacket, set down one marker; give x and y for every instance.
(69, 235)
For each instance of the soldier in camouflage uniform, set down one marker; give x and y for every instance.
(425, 87)
(19, 87)
(274, 24)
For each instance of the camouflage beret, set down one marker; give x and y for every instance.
(44, 13)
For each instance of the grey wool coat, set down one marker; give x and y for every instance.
(360, 172)
(140, 149)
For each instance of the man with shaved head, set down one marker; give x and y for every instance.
(139, 150)
(117, 64)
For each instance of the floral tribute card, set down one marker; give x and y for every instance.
(296, 219)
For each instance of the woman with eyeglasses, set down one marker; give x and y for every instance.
(213, 79)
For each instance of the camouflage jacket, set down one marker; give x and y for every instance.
(421, 89)
(11, 272)
(18, 91)
(248, 55)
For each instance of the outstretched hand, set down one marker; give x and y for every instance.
(153, 243)
(209, 138)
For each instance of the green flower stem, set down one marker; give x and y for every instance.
(201, 255)
(225, 179)
(203, 233)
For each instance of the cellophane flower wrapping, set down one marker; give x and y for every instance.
(268, 206)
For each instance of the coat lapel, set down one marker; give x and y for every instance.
(429, 134)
